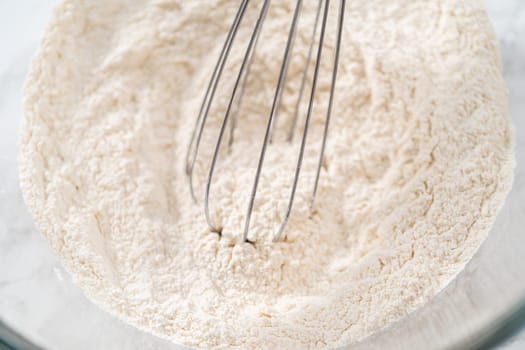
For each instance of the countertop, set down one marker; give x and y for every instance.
(29, 272)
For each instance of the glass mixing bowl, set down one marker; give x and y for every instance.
(40, 307)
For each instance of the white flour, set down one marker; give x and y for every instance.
(418, 163)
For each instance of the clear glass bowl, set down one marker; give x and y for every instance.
(41, 308)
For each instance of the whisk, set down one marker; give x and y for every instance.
(237, 94)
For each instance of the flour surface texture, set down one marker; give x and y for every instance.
(418, 162)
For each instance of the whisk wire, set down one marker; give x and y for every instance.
(286, 64)
(306, 124)
(195, 140)
(305, 73)
(236, 98)
(280, 85)
(331, 98)
(238, 106)
(257, 28)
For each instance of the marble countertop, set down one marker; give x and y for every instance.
(36, 294)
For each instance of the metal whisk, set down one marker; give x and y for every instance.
(238, 92)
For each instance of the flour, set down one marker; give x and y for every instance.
(418, 163)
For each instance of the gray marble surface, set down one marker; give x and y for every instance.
(37, 296)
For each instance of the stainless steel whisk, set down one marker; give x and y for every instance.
(238, 93)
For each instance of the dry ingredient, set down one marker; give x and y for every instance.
(418, 163)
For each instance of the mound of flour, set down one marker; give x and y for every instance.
(417, 165)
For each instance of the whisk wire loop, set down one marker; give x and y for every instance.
(306, 124)
(196, 137)
(330, 99)
(257, 28)
(237, 94)
(273, 113)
